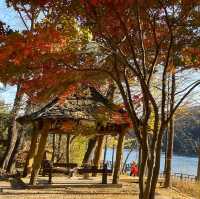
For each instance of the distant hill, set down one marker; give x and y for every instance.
(187, 132)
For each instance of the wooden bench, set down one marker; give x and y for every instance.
(50, 167)
(104, 171)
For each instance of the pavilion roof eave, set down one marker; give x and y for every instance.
(28, 119)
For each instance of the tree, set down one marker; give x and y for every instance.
(198, 167)
(4, 118)
(170, 135)
(132, 41)
(12, 130)
(136, 41)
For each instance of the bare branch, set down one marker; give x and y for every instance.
(182, 99)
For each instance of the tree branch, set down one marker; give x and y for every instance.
(182, 99)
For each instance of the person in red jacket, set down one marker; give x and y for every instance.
(134, 169)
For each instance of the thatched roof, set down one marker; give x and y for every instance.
(71, 109)
(75, 108)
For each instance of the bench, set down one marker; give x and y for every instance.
(93, 169)
(49, 167)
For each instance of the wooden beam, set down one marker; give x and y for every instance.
(60, 131)
(112, 133)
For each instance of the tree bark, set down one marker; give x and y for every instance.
(12, 130)
(119, 154)
(142, 169)
(198, 168)
(156, 168)
(98, 152)
(170, 136)
(126, 159)
(90, 148)
(40, 153)
(12, 162)
(169, 154)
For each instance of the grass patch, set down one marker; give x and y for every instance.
(188, 187)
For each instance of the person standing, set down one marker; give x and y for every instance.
(134, 169)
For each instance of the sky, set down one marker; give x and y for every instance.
(11, 18)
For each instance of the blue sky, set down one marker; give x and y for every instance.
(11, 18)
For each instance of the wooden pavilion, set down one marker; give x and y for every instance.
(75, 115)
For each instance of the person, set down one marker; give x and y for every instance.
(134, 169)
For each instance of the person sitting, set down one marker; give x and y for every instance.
(134, 169)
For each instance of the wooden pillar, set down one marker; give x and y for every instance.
(32, 151)
(105, 150)
(98, 152)
(68, 149)
(58, 155)
(53, 147)
(119, 155)
(113, 153)
(40, 153)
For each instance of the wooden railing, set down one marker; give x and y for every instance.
(178, 176)
(181, 176)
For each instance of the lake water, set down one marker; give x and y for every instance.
(180, 164)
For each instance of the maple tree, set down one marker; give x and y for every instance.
(137, 39)
(131, 41)
(8, 56)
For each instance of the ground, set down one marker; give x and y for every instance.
(78, 188)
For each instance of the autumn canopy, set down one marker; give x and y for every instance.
(137, 45)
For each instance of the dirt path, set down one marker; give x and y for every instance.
(11, 190)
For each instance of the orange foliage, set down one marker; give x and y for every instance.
(68, 126)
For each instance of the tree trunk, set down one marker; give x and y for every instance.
(169, 153)
(142, 169)
(165, 144)
(156, 168)
(139, 156)
(18, 145)
(198, 168)
(98, 152)
(126, 159)
(170, 136)
(32, 151)
(90, 148)
(12, 130)
(119, 154)
(40, 153)
(68, 149)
